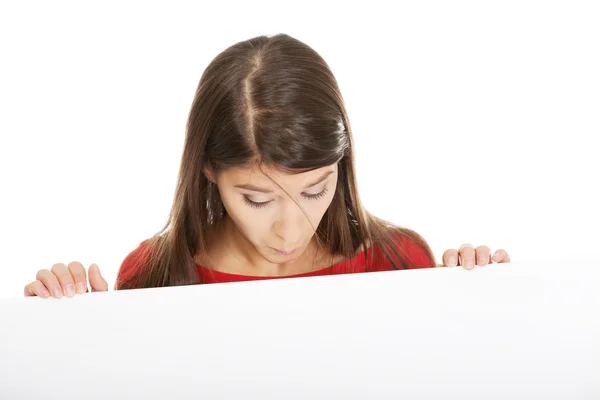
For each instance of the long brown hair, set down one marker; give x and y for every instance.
(274, 101)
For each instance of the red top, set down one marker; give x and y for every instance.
(356, 264)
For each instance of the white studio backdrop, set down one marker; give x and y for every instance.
(473, 121)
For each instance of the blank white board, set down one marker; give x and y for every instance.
(497, 332)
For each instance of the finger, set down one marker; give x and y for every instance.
(79, 276)
(97, 282)
(50, 281)
(64, 278)
(450, 258)
(36, 288)
(466, 254)
(483, 255)
(501, 256)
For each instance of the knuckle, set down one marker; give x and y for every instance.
(43, 273)
(34, 288)
(37, 287)
(448, 253)
(503, 254)
(76, 268)
(483, 254)
(75, 265)
(468, 252)
(58, 269)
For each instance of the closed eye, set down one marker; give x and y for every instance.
(255, 204)
(316, 195)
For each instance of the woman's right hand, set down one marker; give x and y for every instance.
(66, 281)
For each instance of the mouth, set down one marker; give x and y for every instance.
(284, 252)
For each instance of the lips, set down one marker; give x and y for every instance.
(284, 252)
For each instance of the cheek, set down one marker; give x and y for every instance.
(251, 223)
(251, 226)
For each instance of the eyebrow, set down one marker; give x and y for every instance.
(257, 189)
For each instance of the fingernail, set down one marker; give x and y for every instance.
(45, 292)
(451, 261)
(482, 261)
(81, 288)
(56, 292)
(468, 263)
(70, 290)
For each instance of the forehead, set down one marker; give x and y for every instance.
(262, 175)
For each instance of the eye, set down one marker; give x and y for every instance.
(254, 204)
(315, 196)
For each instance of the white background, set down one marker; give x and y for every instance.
(473, 121)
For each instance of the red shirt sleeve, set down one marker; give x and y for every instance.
(132, 264)
(416, 256)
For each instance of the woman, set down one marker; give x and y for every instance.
(267, 186)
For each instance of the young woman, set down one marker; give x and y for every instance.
(267, 186)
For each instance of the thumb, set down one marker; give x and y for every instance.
(97, 282)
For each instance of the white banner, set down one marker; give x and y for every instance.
(497, 332)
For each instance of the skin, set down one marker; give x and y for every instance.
(249, 235)
(468, 256)
(252, 231)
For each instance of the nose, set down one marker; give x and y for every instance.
(288, 226)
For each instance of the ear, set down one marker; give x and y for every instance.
(210, 175)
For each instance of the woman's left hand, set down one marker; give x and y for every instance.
(468, 256)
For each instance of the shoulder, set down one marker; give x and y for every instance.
(418, 253)
(133, 262)
(405, 249)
